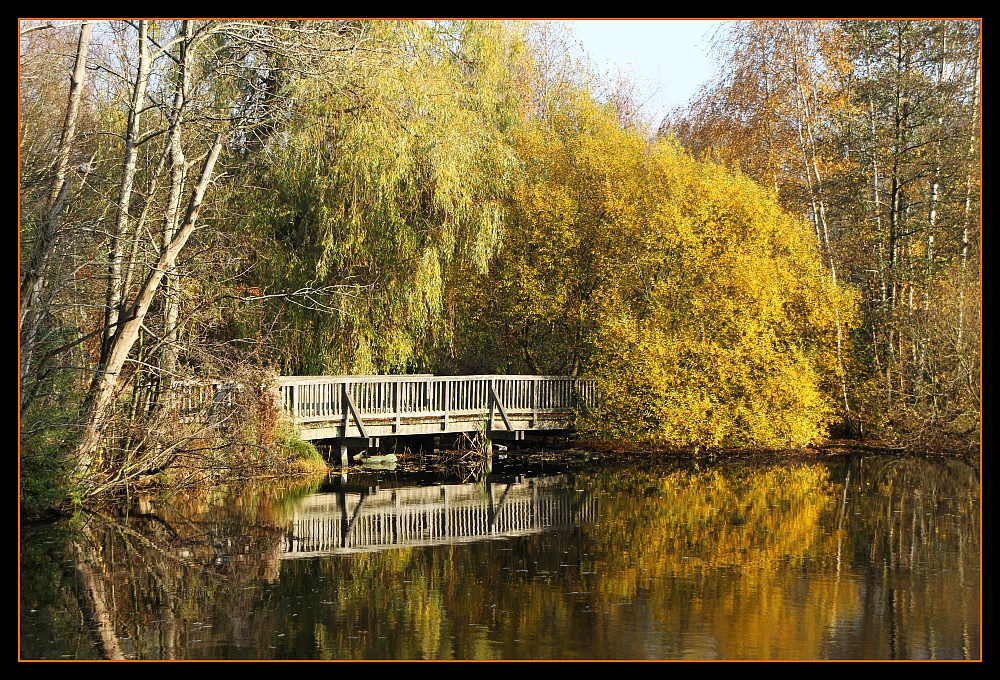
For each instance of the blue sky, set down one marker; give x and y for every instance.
(669, 52)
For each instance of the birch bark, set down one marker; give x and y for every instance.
(33, 283)
(98, 403)
(115, 293)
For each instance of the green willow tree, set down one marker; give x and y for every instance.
(377, 192)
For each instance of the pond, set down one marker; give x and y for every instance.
(547, 557)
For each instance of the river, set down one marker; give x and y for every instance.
(549, 557)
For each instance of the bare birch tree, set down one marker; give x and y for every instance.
(33, 280)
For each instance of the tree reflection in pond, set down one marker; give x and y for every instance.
(855, 557)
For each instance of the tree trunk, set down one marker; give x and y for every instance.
(115, 293)
(99, 400)
(967, 207)
(807, 144)
(32, 312)
(168, 360)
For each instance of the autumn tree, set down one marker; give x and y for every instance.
(170, 96)
(696, 300)
(870, 128)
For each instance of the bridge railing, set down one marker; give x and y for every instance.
(188, 401)
(314, 398)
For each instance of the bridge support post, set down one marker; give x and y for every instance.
(534, 402)
(355, 444)
(395, 406)
(447, 406)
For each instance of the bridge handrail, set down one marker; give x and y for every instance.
(322, 397)
(416, 377)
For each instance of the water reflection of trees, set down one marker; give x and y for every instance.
(143, 580)
(858, 557)
(845, 559)
(912, 529)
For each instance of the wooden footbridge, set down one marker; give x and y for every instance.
(367, 407)
(371, 519)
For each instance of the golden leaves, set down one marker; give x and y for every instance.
(684, 287)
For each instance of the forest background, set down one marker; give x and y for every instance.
(794, 255)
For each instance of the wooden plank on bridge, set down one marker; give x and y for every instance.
(354, 412)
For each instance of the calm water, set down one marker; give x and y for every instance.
(853, 557)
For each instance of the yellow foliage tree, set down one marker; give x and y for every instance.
(700, 305)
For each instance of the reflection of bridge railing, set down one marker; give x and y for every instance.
(333, 523)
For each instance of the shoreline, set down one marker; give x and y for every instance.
(593, 451)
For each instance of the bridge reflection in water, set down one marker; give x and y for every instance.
(359, 520)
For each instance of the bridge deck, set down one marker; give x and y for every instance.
(328, 407)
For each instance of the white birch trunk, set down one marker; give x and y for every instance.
(32, 310)
(168, 362)
(102, 390)
(115, 293)
(804, 118)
